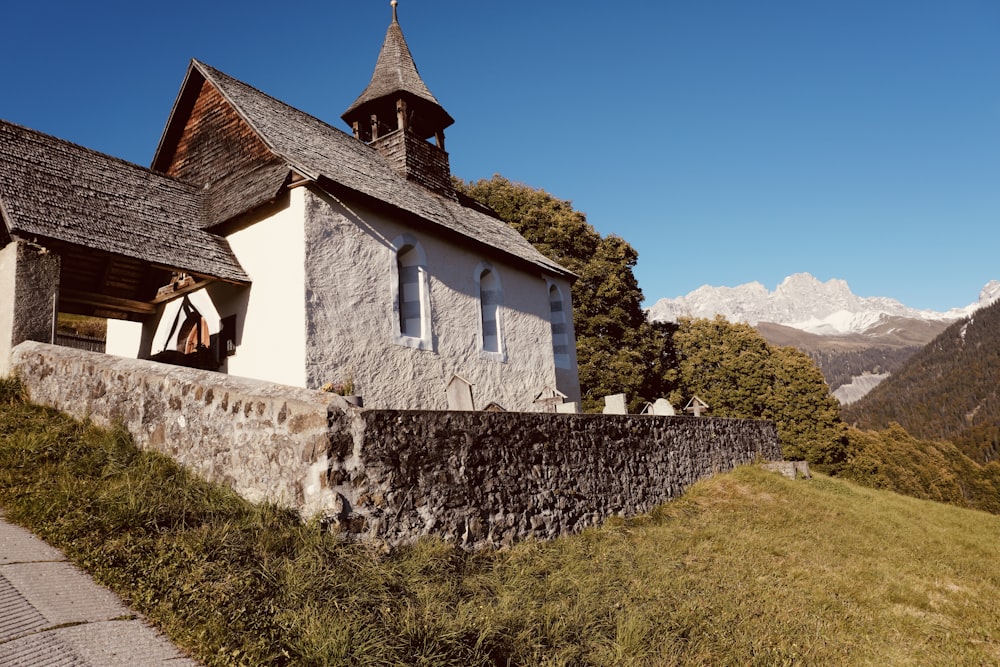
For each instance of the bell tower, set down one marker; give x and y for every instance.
(397, 115)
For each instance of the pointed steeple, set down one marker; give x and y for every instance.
(397, 98)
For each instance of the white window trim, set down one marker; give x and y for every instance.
(425, 341)
(561, 360)
(501, 354)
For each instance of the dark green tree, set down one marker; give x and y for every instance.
(617, 349)
(808, 417)
(733, 369)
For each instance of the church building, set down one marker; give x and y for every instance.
(265, 243)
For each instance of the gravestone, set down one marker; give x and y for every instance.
(549, 399)
(459, 391)
(615, 405)
(660, 408)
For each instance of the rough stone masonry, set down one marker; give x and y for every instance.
(390, 476)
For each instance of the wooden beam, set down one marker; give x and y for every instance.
(108, 302)
(179, 288)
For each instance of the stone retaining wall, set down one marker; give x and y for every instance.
(266, 441)
(481, 478)
(390, 476)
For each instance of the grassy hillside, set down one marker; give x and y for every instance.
(747, 568)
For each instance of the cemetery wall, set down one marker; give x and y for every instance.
(390, 476)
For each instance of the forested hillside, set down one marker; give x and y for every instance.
(840, 367)
(947, 391)
(894, 460)
(844, 357)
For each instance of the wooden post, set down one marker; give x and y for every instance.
(402, 118)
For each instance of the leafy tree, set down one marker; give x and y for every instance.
(618, 351)
(808, 417)
(733, 369)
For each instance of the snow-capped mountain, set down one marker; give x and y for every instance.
(803, 302)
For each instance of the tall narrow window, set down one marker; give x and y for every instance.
(410, 315)
(411, 294)
(489, 305)
(560, 331)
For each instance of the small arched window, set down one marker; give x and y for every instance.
(560, 330)
(411, 294)
(490, 301)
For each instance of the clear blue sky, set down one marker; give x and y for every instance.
(727, 140)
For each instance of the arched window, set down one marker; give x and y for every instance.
(411, 294)
(410, 315)
(560, 331)
(490, 312)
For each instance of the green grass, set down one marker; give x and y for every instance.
(748, 568)
(82, 325)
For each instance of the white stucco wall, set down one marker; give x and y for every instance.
(270, 313)
(320, 309)
(352, 331)
(271, 340)
(123, 338)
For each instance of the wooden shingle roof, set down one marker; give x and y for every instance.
(51, 189)
(333, 160)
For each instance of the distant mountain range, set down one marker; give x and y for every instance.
(803, 302)
(856, 341)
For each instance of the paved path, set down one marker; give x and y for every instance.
(52, 614)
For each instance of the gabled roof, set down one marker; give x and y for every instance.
(333, 159)
(395, 73)
(53, 189)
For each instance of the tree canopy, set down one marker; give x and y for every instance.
(733, 369)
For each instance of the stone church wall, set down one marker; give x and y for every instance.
(350, 331)
(390, 476)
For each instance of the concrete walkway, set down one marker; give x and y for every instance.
(52, 614)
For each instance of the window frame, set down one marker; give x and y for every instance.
(500, 353)
(561, 359)
(404, 244)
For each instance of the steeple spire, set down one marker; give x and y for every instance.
(396, 114)
(396, 78)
